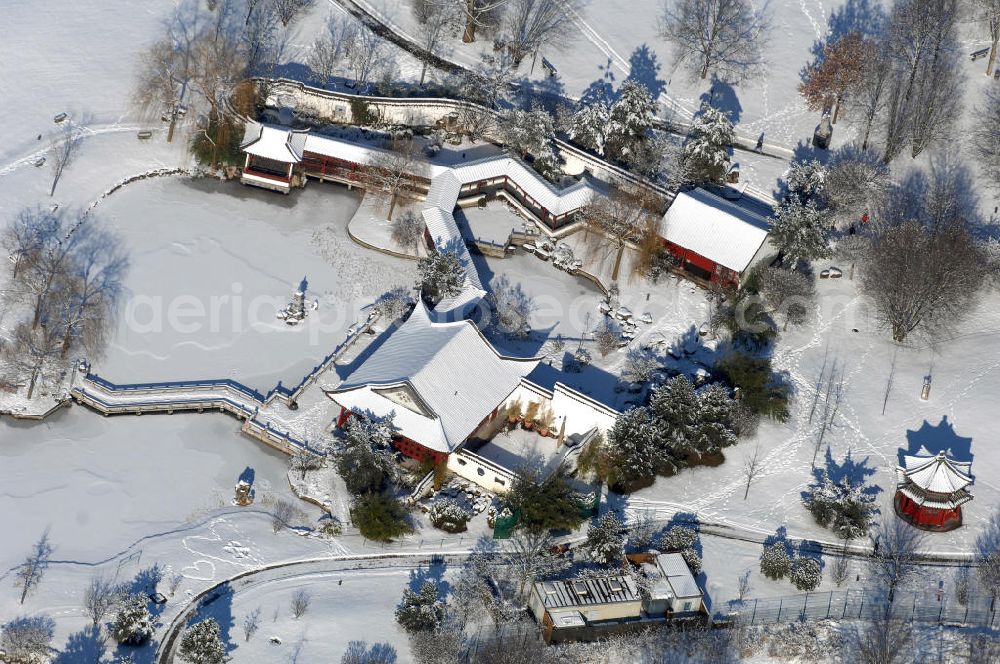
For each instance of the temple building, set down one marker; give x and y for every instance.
(931, 489)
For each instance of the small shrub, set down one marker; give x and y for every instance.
(448, 515)
(133, 625)
(806, 574)
(775, 563)
(380, 517)
(677, 538)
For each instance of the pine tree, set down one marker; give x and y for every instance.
(420, 611)
(806, 180)
(800, 231)
(633, 449)
(706, 153)
(606, 540)
(529, 134)
(202, 644)
(806, 574)
(716, 411)
(441, 275)
(133, 625)
(366, 459)
(589, 125)
(775, 563)
(676, 415)
(630, 117)
(845, 507)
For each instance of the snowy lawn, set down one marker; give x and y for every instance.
(213, 262)
(965, 380)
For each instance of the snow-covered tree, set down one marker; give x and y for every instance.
(202, 643)
(289, 10)
(605, 542)
(437, 21)
(441, 275)
(100, 596)
(896, 560)
(331, 47)
(676, 414)
(393, 304)
(806, 180)
(987, 554)
(846, 507)
(986, 137)
(300, 603)
(775, 563)
(724, 37)
(800, 231)
(420, 610)
(589, 125)
(714, 428)
(528, 134)
(629, 119)
(706, 152)
(480, 16)
(511, 306)
(26, 640)
(488, 84)
(806, 574)
(857, 182)
(633, 449)
(366, 459)
(448, 515)
(625, 216)
(369, 54)
(304, 460)
(443, 646)
(681, 539)
(62, 150)
(390, 174)
(133, 624)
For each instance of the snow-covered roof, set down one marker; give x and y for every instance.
(272, 142)
(538, 188)
(715, 228)
(936, 473)
(675, 569)
(449, 369)
(592, 591)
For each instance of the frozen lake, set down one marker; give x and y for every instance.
(212, 263)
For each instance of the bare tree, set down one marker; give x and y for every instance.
(909, 273)
(30, 573)
(369, 52)
(866, 99)
(530, 24)
(480, 15)
(174, 582)
(94, 283)
(26, 238)
(743, 585)
(986, 138)
(438, 21)
(987, 554)
(408, 231)
(988, 12)
(332, 46)
(300, 603)
(33, 354)
(100, 596)
(284, 515)
(62, 150)
(304, 460)
(720, 36)
(640, 364)
(392, 173)
(289, 10)
(621, 218)
(856, 183)
(606, 335)
(788, 291)
(961, 583)
(27, 639)
(528, 557)
(880, 640)
(251, 623)
(896, 557)
(753, 467)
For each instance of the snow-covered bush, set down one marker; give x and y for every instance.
(25, 640)
(394, 304)
(202, 643)
(380, 517)
(806, 574)
(606, 540)
(844, 507)
(420, 611)
(589, 124)
(511, 306)
(133, 624)
(677, 538)
(529, 134)
(806, 180)
(606, 335)
(581, 358)
(448, 516)
(408, 230)
(775, 563)
(801, 230)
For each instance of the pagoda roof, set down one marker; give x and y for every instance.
(935, 473)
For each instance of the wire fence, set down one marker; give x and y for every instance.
(927, 607)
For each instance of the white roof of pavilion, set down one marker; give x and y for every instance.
(449, 370)
(935, 473)
(715, 228)
(271, 142)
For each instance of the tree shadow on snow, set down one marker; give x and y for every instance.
(433, 572)
(644, 68)
(218, 604)
(937, 438)
(722, 96)
(358, 652)
(87, 645)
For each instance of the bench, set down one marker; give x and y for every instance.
(548, 66)
(981, 53)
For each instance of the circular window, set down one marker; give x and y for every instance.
(480, 471)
